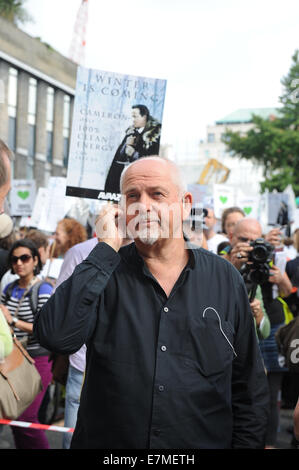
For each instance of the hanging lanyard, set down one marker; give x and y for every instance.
(23, 296)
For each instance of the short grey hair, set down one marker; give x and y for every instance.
(176, 174)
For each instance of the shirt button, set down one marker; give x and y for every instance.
(163, 348)
(161, 388)
(166, 309)
(157, 432)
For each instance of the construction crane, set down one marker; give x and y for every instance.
(78, 43)
(213, 172)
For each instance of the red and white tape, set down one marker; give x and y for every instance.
(45, 427)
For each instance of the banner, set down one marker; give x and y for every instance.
(116, 120)
(22, 197)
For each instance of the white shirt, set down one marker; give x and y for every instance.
(214, 242)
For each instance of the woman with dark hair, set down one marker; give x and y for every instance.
(24, 260)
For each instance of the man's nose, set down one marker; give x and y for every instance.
(145, 203)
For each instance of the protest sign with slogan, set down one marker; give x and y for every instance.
(117, 119)
(22, 197)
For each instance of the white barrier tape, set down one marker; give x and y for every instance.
(45, 427)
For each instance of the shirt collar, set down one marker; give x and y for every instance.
(131, 255)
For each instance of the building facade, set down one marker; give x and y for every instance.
(37, 89)
(243, 172)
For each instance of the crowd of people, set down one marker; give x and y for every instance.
(169, 344)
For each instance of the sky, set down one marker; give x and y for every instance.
(216, 55)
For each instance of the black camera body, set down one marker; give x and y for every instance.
(257, 269)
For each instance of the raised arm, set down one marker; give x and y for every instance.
(67, 320)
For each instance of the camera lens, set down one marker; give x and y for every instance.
(259, 254)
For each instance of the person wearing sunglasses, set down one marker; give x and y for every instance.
(24, 260)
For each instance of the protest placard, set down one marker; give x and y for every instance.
(248, 204)
(39, 206)
(223, 197)
(117, 119)
(22, 197)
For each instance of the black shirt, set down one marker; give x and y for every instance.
(162, 372)
(3, 262)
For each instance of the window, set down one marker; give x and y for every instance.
(211, 138)
(66, 128)
(12, 107)
(50, 123)
(32, 93)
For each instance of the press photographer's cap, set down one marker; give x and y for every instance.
(6, 225)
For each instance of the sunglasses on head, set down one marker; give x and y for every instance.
(23, 258)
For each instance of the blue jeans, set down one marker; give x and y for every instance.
(72, 400)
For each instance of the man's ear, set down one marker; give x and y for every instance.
(187, 205)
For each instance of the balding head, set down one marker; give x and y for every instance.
(157, 163)
(154, 200)
(246, 230)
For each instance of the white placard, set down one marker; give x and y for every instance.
(55, 208)
(22, 197)
(248, 204)
(224, 197)
(52, 268)
(39, 206)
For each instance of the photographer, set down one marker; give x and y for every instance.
(246, 231)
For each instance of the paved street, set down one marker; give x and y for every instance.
(55, 438)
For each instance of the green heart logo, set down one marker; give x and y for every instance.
(23, 194)
(223, 199)
(247, 210)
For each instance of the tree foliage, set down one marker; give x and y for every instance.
(14, 11)
(275, 142)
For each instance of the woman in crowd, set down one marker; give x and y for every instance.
(24, 260)
(68, 233)
(229, 218)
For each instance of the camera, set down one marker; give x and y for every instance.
(257, 269)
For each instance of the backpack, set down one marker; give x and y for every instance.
(287, 339)
(33, 294)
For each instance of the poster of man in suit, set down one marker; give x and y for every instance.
(142, 139)
(117, 119)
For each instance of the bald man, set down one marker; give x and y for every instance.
(247, 230)
(172, 358)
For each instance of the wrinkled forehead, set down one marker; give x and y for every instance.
(251, 232)
(147, 172)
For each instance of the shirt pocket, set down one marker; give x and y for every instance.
(209, 345)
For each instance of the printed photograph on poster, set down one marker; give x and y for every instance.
(117, 119)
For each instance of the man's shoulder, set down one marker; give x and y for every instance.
(215, 262)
